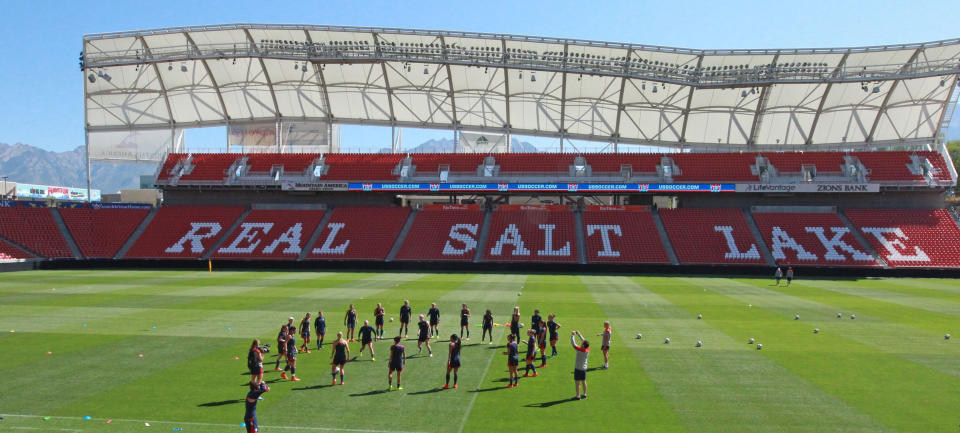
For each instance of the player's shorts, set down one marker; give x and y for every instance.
(579, 374)
(305, 334)
(789, 279)
(513, 361)
(256, 370)
(281, 350)
(351, 325)
(321, 332)
(365, 342)
(396, 367)
(515, 327)
(464, 321)
(422, 338)
(488, 326)
(455, 362)
(604, 347)
(543, 346)
(291, 357)
(379, 320)
(405, 321)
(339, 360)
(434, 322)
(530, 357)
(554, 338)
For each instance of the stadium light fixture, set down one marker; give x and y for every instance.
(170, 65)
(296, 66)
(876, 89)
(92, 78)
(942, 82)
(426, 70)
(183, 68)
(654, 88)
(643, 86)
(743, 94)
(303, 68)
(106, 76)
(533, 77)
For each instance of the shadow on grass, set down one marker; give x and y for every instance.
(374, 392)
(307, 388)
(495, 388)
(549, 403)
(221, 403)
(429, 391)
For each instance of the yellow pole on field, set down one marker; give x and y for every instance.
(210, 265)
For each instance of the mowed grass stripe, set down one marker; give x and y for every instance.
(875, 383)
(890, 291)
(724, 386)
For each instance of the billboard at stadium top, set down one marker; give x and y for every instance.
(26, 190)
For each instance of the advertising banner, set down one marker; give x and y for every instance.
(541, 187)
(808, 188)
(25, 190)
(252, 134)
(149, 145)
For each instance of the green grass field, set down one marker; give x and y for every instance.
(889, 370)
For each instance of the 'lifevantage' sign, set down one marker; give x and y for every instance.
(808, 187)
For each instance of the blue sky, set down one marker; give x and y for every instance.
(41, 84)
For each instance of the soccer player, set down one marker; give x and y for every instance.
(778, 275)
(423, 337)
(350, 319)
(542, 343)
(535, 320)
(434, 314)
(789, 275)
(367, 334)
(305, 333)
(580, 365)
(553, 326)
(281, 346)
(320, 325)
(515, 324)
(513, 360)
(487, 326)
(453, 360)
(378, 314)
(405, 319)
(339, 355)
(531, 353)
(253, 397)
(465, 320)
(291, 356)
(398, 359)
(605, 344)
(255, 363)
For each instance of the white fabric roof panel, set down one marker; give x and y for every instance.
(601, 91)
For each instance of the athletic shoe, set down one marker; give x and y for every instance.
(399, 388)
(283, 375)
(468, 338)
(509, 386)
(533, 375)
(341, 383)
(446, 387)
(576, 397)
(390, 388)
(277, 369)
(526, 374)
(373, 359)
(541, 365)
(584, 396)
(454, 386)
(490, 342)
(295, 379)
(308, 350)
(431, 354)
(334, 382)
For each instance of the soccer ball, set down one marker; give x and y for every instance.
(336, 370)
(521, 325)
(640, 336)
(699, 316)
(519, 293)
(853, 316)
(796, 317)
(816, 330)
(759, 346)
(752, 340)
(839, 315)
(946, 337)
(666, 340)
(699, 343)
(391, 319)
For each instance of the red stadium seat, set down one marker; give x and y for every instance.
(291, 162)
(443, 233)
(887, 166)
(918, 238)
(531, 233)
(714, 167)
(183, 232)
(166, 170)
(210, 167)
(35, 230)
(271, 234)
(362, 166)
(100, 233)
(811, 239)
(613, 162)
(793, 162)
(711, 236)
(359, 233)
(625, 234)
(10, 252)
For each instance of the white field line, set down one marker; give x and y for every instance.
(280, 427)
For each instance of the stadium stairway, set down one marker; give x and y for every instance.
(863, 241)
(758, 239)
(62, 226)
(226, 234)
(136, 234)
(316, 234)
(664, 238)
(484, 234)
(403, 235)
(580, 236)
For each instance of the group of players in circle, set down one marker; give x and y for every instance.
(540, 333)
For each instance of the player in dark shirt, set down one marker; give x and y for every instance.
(553, 326)
(250, 412)
(378, 314)
(465, 320)
(398, 359)
(453, 361)
(350, 319)
(487, 326)
(513, 359)
(434, 314)
(531, 353)
(281, 346)
(339, 355)
(542, 343)
(291, 356)
(320, 325)
(367, 334)
(255, 362)
(405, 311)
(423, 336)
(535, 320)
(305, 333)
(515, 324)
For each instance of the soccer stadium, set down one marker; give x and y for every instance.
(712, 176)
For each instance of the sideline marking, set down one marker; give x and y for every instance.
(76, 418)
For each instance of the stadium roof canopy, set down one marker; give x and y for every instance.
(601, 91)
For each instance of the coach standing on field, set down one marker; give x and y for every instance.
(580, 366)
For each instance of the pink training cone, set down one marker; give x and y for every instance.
(140, 356)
